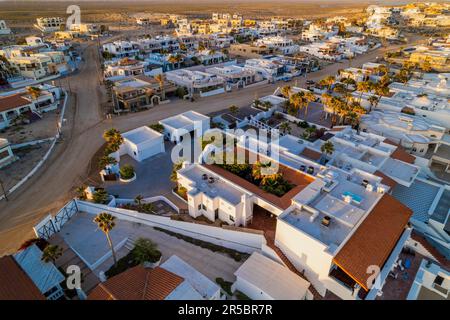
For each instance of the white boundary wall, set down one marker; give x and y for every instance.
(47, 154)
(237, 240)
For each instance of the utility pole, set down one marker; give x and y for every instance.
(3, 190)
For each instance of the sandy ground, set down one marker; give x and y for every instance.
(113, 11)
(28, 157)
(40, 129)
(69, 164)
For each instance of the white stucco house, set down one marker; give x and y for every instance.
(188, 122)
(6, 154)
(142, 143)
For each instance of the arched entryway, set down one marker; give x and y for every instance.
(155, 100)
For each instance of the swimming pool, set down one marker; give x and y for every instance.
(355, 197)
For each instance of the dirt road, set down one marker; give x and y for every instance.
(67, 167)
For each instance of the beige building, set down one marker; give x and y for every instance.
(250, 51)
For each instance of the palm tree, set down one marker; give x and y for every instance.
(51, 253)
(348, 82)
(138, 199)
(297, 101)
(174, 59)
(286, 91)
(285, 127)
(176, 166)
(114, 140)
(81, 191)
(34, 92)
(111, 134)
(327, 148)
(373, 100)
(326, 100)
(106, 160)
(328, 82)
(363, 86)
(426, 66)
(106, 222)
(160, 79)
(310, 97)
(233, 109)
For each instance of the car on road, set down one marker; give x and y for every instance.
(309, 82)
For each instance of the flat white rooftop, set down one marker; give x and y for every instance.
(183, 120)
(140, 135)
(332, 235)
(218, 188)
(337, 195)
(401, 170)
(272, 278)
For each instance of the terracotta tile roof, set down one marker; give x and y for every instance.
(146, 79)
(13, 101)
(15, 283)
(385, 179)
(402, 155)
(337, 129)
(388, 141)
(311, 154)
(295, 177)
(137, 283)
(374, 240)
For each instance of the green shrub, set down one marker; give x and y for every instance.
(303, 124)
(241, 296)
(181, 92)
(225, 285)
(145, 251)
(157, 127)
(127, 172)
(100, 196)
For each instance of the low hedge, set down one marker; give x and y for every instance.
(236, 255)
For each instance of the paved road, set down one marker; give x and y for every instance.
(68, 166)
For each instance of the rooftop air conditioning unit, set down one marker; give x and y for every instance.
(326, 221)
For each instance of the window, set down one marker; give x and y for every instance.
(201, 207)
(231, 218)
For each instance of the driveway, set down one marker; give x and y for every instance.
(153, 178)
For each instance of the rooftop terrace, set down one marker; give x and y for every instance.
(218, 188)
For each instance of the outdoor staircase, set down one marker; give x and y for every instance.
(130, 243)
(32, 116)
(433, 252)
(291, 267)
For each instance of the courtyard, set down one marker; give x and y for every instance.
(82, 235)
